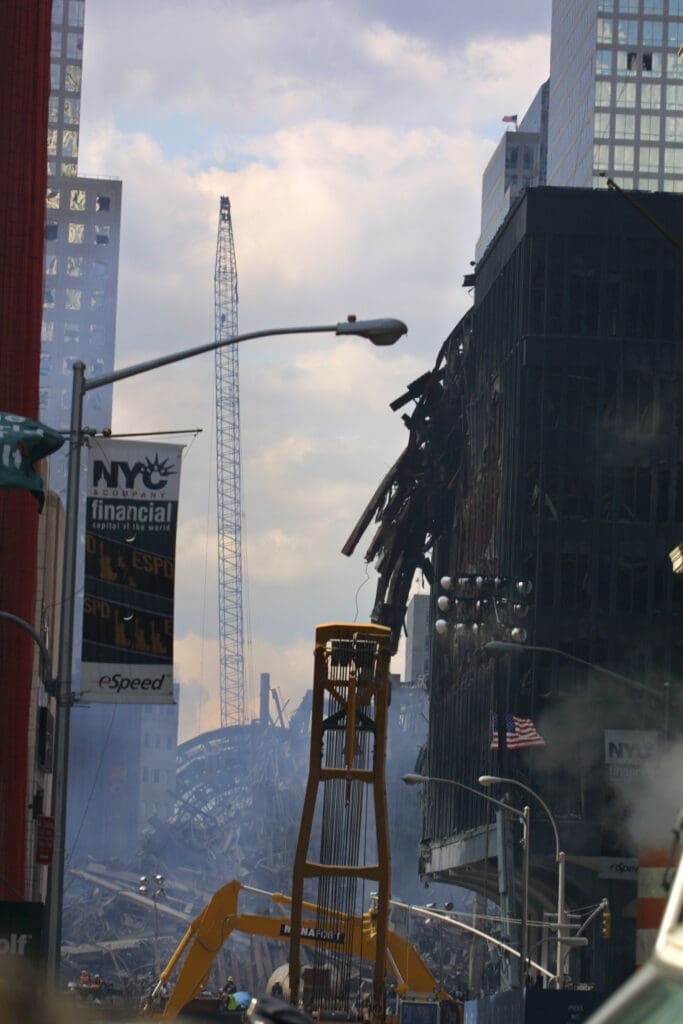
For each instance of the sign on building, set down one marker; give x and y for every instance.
(131, 519)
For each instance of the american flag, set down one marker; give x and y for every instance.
(510, 118)
(519, 733)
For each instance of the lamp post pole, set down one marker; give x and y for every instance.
(379, 332)
(494, 780)
(413, 779)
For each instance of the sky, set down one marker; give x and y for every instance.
(350, 137)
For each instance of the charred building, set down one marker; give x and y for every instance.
(541, 491)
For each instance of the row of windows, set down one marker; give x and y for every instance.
(73, 334)
(644, 95)
(675, 7)
(70, 108)
(630, 32)
(47, 395)
(623, 158)
(73, 299)
(76, 233)
(156, 775)
(76, 198)
(48, 365)
(67, 170)
(147, 741)
(649, 127)
(626, 62)
(74, 44)
(642, 182)
(66, 141)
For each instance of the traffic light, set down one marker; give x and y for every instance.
(606, 930)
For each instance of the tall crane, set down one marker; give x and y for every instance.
(229, 479)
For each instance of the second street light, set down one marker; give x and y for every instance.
(413, 779)
(379, 332)
(494, 780)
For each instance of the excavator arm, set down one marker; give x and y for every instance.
(221, 916)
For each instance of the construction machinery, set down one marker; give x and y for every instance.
(205, 936)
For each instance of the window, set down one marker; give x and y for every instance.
(673, 161)
(653, 6)
(601, 158)
(96, 334)
(49, 298)
(52, 199)
(72, 78)
(624, 180)
(623, 158)
(57, 10)
(603, 94)
(606, 5)
(624, 126)
(674, 97)
(72, 298)
(628, 32)
(674, 66)
(674, 129)
(605, 30)
(626, 95)
(69, 142)
(102, 235)
(102, 203)
(676, 33)
(652, 33)
(77, 199)
(51, 230)
(76, 232)
(72, 111)
(69, 169)
(76, 12)
(648, 159)
(74, 45)
(628, 6)
(97, 300)
(98, 268)
(54, 77)
(650, 130)
(53, 109)
(74, 266)
(52, 141)
(603, 62)
(51, 265)
(47, 330)
(601, 126)
(71, 334)
(155, 775)
(651, 96)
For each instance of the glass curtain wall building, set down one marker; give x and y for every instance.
(616, 94)
(81, 248)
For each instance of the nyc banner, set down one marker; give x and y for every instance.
(131, 518)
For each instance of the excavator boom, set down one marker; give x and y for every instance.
(221, 916)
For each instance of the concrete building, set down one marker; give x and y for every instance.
(417, 640)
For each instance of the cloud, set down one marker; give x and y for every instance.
(352, 149)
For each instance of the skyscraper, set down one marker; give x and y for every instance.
(81, 247)
(613, 106)
(616, 94)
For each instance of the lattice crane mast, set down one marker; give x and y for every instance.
(229, 479)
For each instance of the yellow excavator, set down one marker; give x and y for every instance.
(221, 916)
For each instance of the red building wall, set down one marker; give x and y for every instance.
(24, 93)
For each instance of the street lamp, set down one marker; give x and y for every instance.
(505, 647)
(413, 779)
(153, 885)
(379, 332)
(494, 780)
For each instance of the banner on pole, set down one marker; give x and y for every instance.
(131, 519)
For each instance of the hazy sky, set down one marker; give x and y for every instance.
(350, 136)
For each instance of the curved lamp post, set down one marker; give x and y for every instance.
(379, 332)
(494, 780)
(413, 779)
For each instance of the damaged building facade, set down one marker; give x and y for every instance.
(541, 492)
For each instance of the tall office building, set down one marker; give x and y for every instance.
(81, 248)
(613, 106)
(417, 639)
(616, 94)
